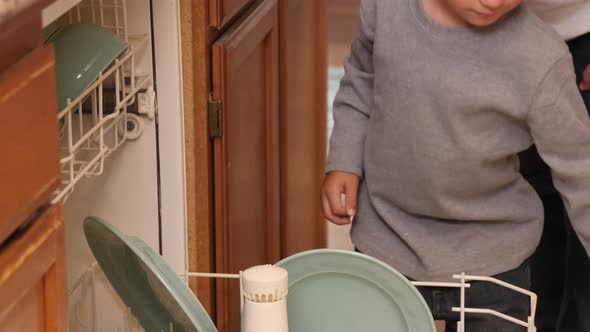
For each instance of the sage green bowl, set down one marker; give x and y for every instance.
(82, 51)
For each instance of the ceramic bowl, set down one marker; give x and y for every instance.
(82, 51)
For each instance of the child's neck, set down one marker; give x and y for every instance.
(440, 14)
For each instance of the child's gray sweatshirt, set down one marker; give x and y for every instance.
(433, 118)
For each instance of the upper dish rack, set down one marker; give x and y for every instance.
(99, 120)
(109, 14)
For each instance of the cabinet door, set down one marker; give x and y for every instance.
(29, 147)
(246, 173)
(33, 278)
(222, 11)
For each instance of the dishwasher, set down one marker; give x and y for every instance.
(120, 103)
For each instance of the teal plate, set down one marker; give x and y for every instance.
(82, 51)
(147, 285)
(343, 291)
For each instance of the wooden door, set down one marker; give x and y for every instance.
(246, 170)
(222, 11)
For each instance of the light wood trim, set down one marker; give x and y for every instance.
(273, 161)
(215, 12)
(200, 241)
(321, 98)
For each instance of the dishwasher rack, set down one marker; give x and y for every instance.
(462, 310)
(130, 323)
(100, 120)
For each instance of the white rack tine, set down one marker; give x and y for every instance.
(462, 314)
(122, 128)
(80, 119)
(462, 310)
(133, 71)
(533, 308)
(126, 36)
(212, 275)
(69, 126)
(498, 282)
(116, 9)
(439, 284)
(241, 291)
(493, 313)
(94, 107)
(101, 116)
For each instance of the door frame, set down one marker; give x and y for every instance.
(171, 135)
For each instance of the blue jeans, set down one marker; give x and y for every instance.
(482, 295)
(560, 268)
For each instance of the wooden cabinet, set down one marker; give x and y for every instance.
(253, 186)
(20, 31)
(32, 277)
(28, 138)
(246, 155)
(33, 292)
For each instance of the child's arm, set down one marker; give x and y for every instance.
(560, 127)
(353, 102)
(352, 107)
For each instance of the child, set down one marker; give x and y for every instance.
(438, 100)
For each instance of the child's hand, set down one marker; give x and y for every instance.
(585, 85)
(336, 210)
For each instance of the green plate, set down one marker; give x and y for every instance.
(82, 51)
(147, 285)
(343, 291)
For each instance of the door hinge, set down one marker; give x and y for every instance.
(215, 117)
